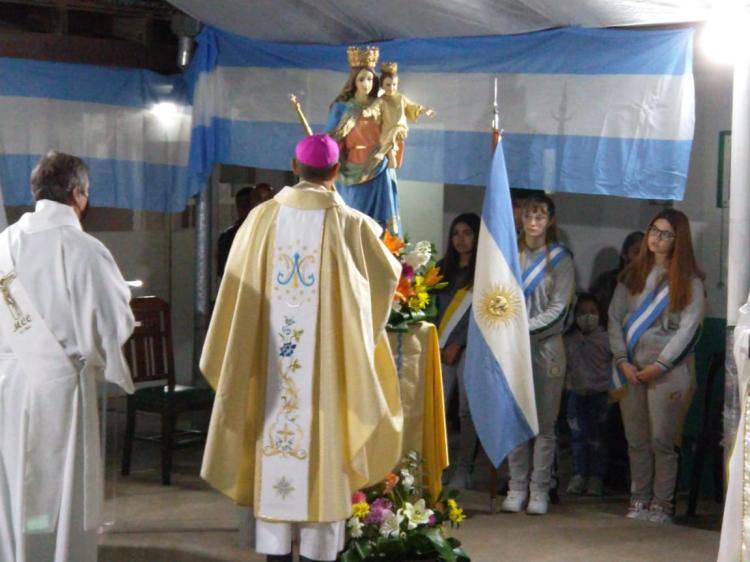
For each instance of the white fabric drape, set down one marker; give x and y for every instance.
(347, 21)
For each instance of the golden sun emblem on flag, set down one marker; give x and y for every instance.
(497, 306)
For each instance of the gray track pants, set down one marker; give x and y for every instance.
(548, 362)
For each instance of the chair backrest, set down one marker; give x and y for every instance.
(149, 350)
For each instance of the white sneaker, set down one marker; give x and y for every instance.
(461, 479)
(576, 485)
(538, 504)
(658, 514)
(638, 510)
(515, 501)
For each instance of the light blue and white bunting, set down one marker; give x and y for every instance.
(497, 373)
(132, 127)
(597, 111)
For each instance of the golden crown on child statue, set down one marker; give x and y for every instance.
(366, 57)
(389, 68)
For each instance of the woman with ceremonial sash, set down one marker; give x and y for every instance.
(655, 320)
(549, 287)
(454, 309)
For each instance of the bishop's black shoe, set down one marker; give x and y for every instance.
(279, 557)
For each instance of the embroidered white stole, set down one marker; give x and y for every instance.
(287, 426)
(49, 425)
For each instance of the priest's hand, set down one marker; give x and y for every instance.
(649, 373)
(451, 353)
(630, 371)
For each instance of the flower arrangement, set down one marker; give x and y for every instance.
(396, 521)
(420, 277)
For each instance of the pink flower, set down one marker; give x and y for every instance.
(358, 497)
(432, 520)
(378, 510)
(407, 271)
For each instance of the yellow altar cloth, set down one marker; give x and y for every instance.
(417, 355)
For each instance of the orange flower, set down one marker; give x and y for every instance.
(404, 289)
(390, 482)
(432, 277)
(393, 243)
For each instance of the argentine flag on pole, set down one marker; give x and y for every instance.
(497, 373)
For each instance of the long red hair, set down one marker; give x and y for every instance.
(681, 268)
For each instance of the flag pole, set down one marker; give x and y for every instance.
(496, 130)
(495, 141)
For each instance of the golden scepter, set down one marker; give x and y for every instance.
(298, 109)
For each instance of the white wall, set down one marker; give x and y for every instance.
(422, 211)
(713, 93)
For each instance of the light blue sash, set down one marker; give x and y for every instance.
(636, 324)
(534, 272)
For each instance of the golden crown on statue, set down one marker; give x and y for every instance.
(389, 68)
(366, 57)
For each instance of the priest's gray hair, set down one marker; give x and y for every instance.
(56, 175)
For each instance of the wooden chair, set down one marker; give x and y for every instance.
(150, 356)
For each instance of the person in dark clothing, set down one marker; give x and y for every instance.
(604, 286)
(454, 309)
(245, 200)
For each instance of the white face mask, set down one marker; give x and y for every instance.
(587, 322)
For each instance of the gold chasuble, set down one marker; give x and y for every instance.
(356, 422)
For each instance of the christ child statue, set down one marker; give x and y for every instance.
(396, 110)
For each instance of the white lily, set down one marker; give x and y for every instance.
(391, 525)
(417, 513)
(420, 255)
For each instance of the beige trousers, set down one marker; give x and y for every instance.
(653, 415)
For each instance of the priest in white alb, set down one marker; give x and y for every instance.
(64, 316)
(307, 400)
(735, 527)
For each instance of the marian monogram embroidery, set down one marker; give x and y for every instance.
(284, 435)
(296, 274)
(297, 270)
(21, 321)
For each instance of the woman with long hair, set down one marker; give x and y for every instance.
(454, 309)
(354, 120)
(549, 287)
(655, 320)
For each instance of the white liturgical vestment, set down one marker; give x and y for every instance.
(735, 527)
(50, 459)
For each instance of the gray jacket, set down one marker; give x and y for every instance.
(588, 361)
(550, 302)
(670, 338)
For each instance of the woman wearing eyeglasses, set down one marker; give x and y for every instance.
(549, 288)
(655, 320)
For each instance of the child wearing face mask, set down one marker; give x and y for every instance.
(589, 359)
